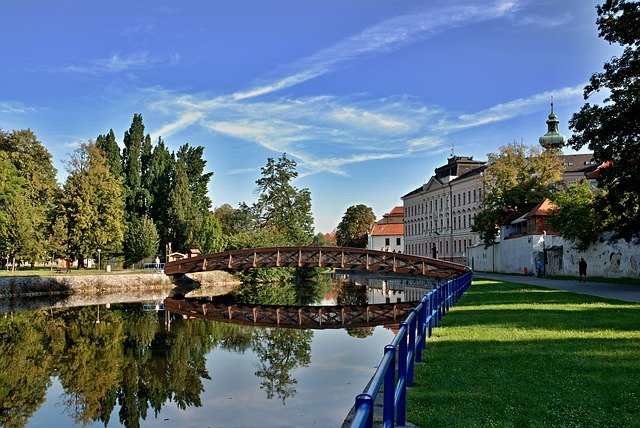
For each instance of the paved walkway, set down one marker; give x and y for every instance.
(628, 293)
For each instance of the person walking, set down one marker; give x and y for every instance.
(582, 270)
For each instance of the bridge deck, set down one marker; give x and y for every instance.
(329, 257)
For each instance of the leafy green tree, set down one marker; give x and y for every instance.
(282, 208)
(612, 129)
(19, 230)
(515, 180)
(111, 149)
(211, 237)
(141, 240)
(232, 220)
(356, 222)
(576, 216)
(94, 206)
(32, 162)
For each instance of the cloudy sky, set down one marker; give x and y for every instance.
(368, 97)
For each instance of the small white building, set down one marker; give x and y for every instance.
(388, 233)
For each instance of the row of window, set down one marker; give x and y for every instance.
(462, 198)
(424, 249)
(459, 222)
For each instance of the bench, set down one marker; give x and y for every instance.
(62, 270)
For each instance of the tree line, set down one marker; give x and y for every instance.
(136, 202)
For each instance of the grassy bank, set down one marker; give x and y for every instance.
(517, 355)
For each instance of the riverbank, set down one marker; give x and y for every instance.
(92, 284)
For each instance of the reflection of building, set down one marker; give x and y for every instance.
(387, 234)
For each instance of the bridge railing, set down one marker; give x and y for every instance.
(407, 347)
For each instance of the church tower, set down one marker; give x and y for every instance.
(553, 140)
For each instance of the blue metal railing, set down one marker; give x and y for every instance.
(407, 346)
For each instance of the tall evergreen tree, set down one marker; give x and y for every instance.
(198, 179)
(145, 174)
(111, 149)
(185, 218)
(281, 207)
(160, 183)
(132, 167)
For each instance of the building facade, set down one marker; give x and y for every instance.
(388, 233)
(439, 214)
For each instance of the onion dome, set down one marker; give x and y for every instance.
(553, 140)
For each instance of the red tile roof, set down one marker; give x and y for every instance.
(388, 229)
(396, 212)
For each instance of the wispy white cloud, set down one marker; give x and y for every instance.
(13, 107)
(545, 21)
(113, 64)
(508, 110)
(387, 36)
(327, 133)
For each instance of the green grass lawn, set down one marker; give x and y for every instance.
(521, 356)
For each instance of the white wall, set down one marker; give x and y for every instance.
(617, 259)
(378, 243)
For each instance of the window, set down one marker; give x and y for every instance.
(397, 241)
(464, 222)
(386, 241)
(464, 198)
(474, 195)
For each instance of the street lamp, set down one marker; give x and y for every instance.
(544, 255)
(99, 265)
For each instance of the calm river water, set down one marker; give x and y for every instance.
(124, 364)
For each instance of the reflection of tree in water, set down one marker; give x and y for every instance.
(25, 367)
(360, 332)
(351, 293)
(280, 351)
(127, 359)
(307, 289)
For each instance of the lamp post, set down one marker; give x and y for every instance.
(99, 265)
(544, 255)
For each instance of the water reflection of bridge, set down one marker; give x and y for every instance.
(301, 317)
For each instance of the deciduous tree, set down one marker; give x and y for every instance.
(612, 130)
(356, 222)
(516, 179)
(94, 205)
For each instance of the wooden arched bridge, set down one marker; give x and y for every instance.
(327, 257)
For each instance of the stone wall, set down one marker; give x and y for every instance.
(66, 284)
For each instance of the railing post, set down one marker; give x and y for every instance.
(389, 388)
(404, 370)
(412, 349)
(366, 401)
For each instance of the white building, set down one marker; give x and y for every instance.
(388, 233)
(439, 214)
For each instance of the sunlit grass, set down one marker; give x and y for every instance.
(517, 355)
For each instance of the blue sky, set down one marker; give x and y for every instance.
(368, 97)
